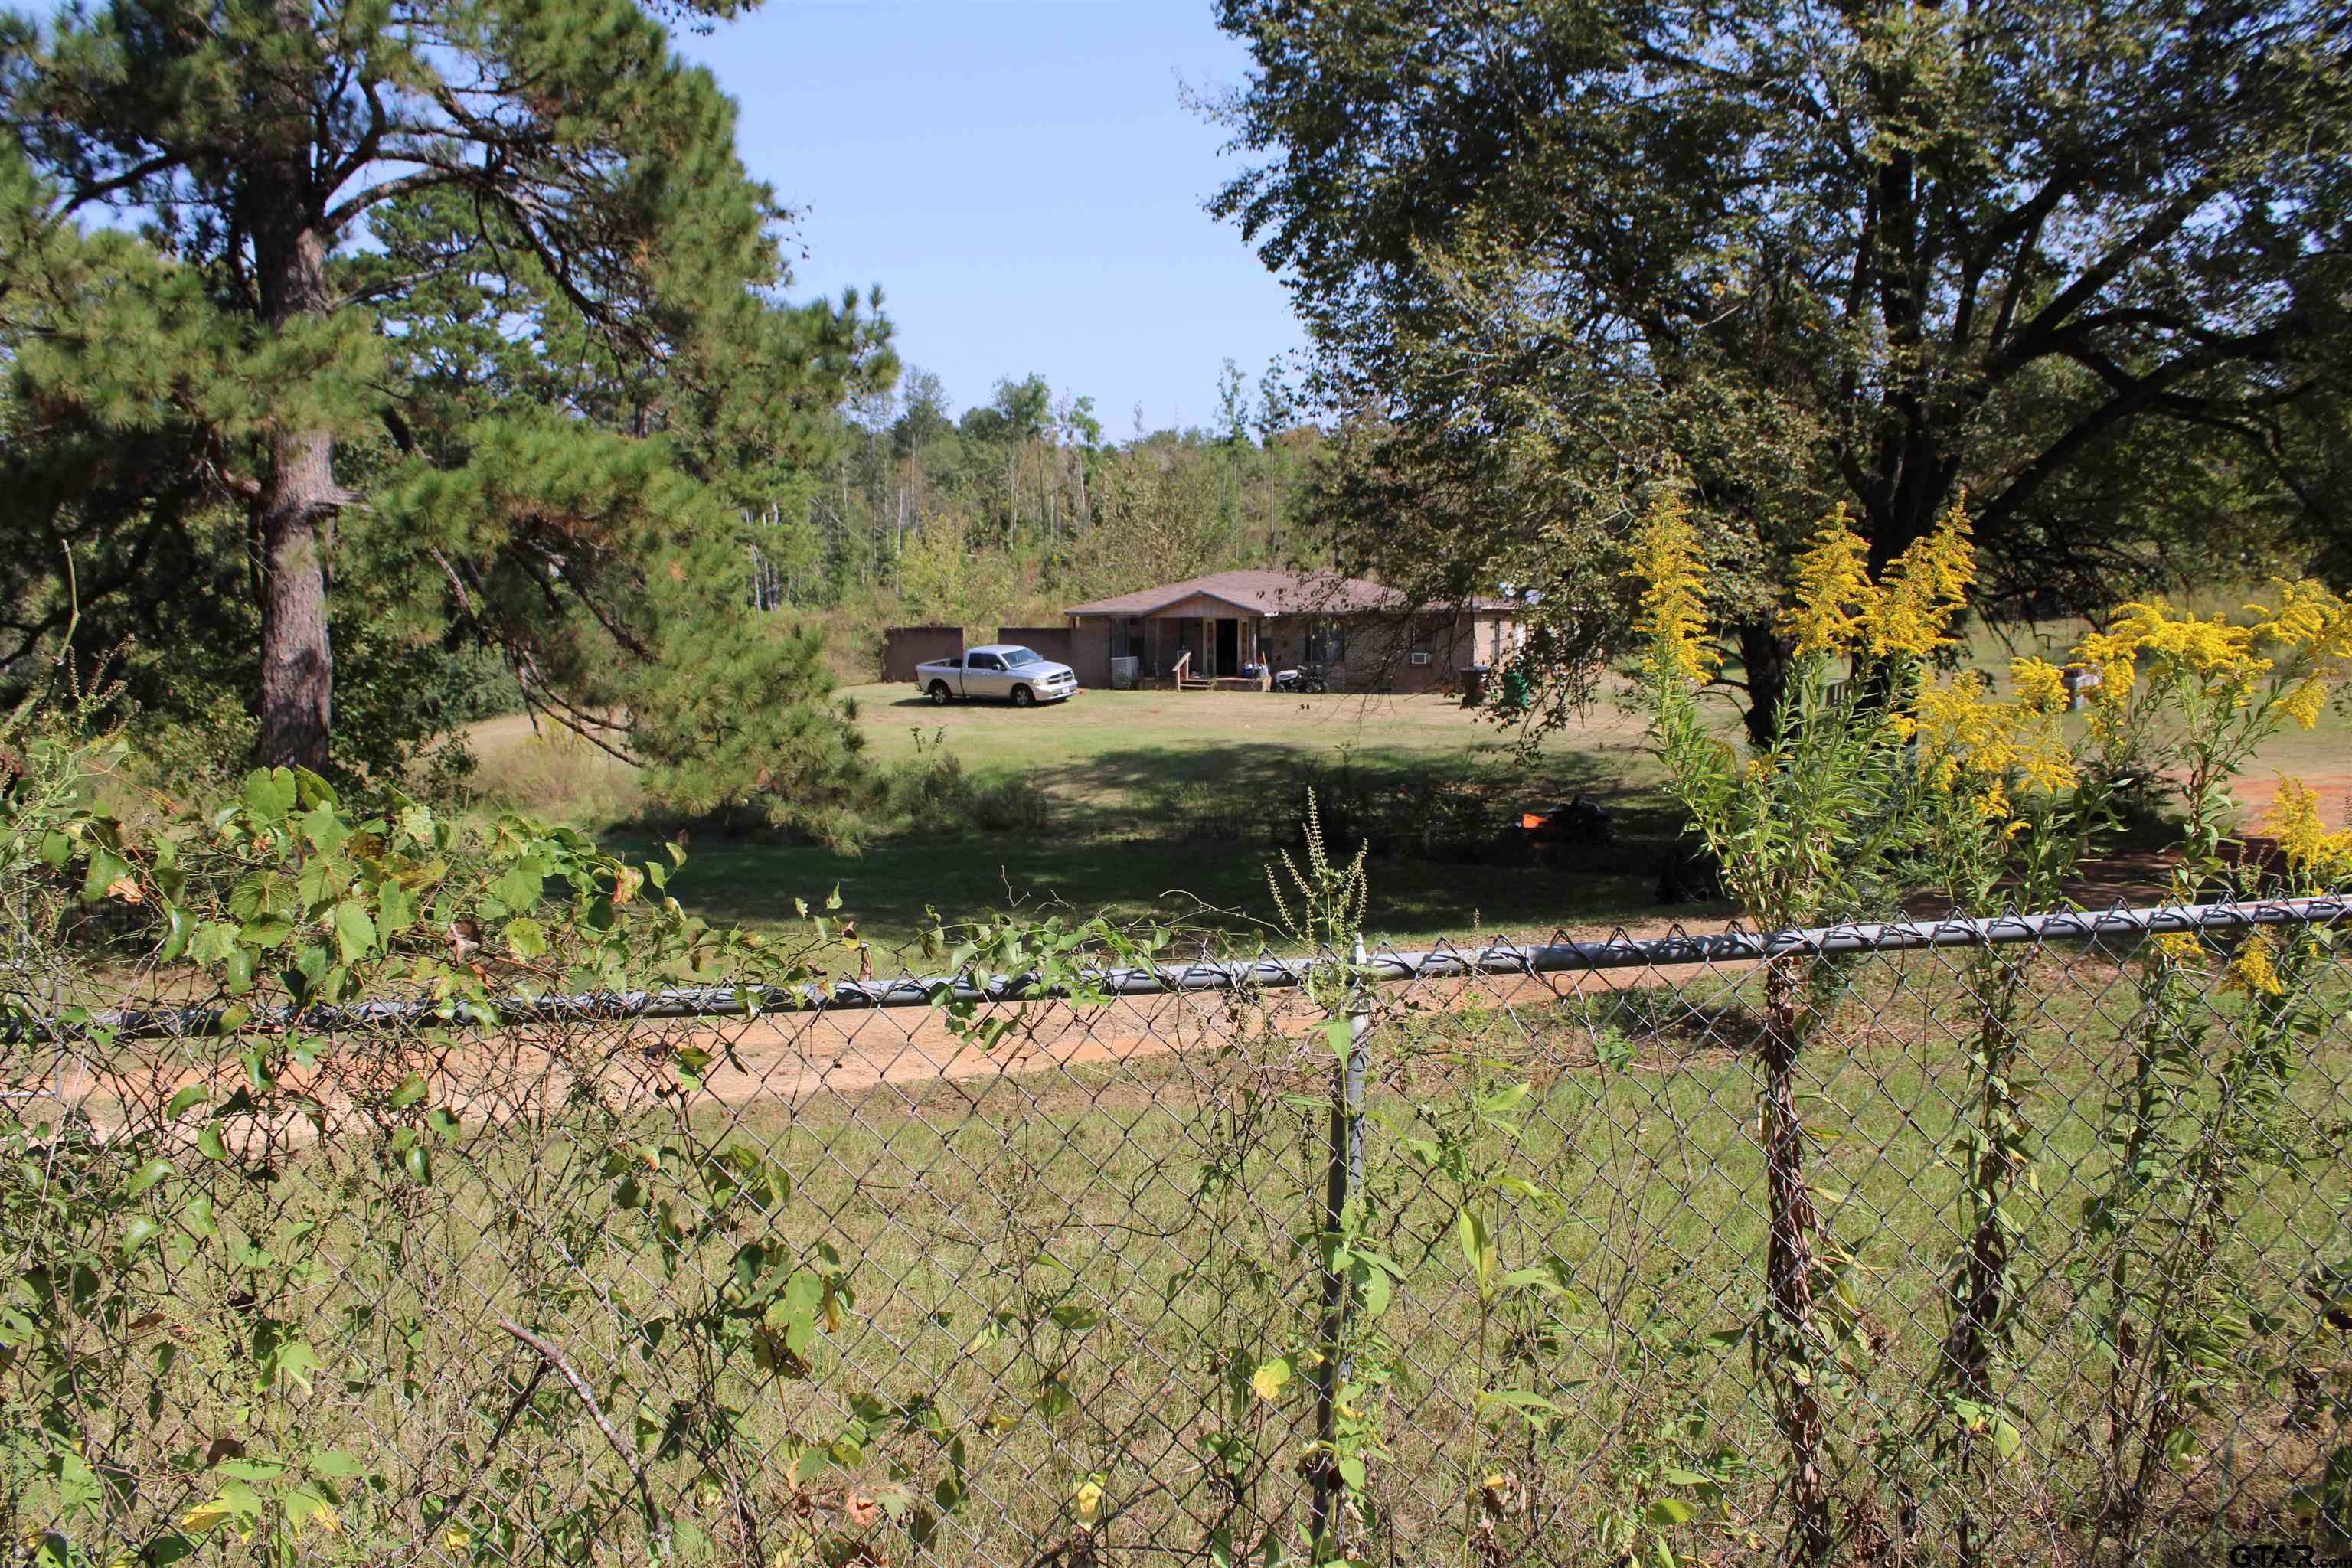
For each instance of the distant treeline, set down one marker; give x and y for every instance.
(1007, 512)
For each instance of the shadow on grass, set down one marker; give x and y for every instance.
(1184, 833)
(1254, 791)
(1217, 889)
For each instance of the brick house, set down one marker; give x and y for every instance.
(1365, 636)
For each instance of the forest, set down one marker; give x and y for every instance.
(1003, 513)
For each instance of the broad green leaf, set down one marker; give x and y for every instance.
(313, 789)
(213, 940)
(296, 1361)
(180, 927)
(324, 826)
(265, 931)
(270, 794)
(308, 1508)
(354, 933)
(106, 869)
(519, 886)
(77, 1485)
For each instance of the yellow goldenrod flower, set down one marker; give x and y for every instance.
(2252, 970)
(1835, 598)
(2311, 850)
(2307, 619)
(2113, 657)
(1974, 748)
(1665, 559)
(2206, 646)
(2302, 702)
(2180, 947)
(1928, 586)
(2039, 683)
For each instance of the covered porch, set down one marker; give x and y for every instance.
(1196, 646)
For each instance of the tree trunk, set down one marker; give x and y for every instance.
(297, 663)
(1764, 654)
(298, 492)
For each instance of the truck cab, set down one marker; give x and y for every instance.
(1004, 671)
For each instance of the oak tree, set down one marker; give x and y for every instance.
(1868, 253)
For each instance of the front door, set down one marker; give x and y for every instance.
(1229, 646)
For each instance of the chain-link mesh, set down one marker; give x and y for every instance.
(1909, 1246)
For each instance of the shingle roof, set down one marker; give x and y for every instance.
(1261, 593)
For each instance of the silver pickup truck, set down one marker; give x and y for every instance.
(1022, 675)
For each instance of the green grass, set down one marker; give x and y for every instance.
(1171, 805)
(1073, 1264)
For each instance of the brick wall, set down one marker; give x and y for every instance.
(903, 648)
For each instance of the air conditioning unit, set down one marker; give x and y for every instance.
(1421, 655)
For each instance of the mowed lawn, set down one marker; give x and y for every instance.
(1171, 805)
(1156, 804)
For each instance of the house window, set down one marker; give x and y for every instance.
(1327, 643)
(1126, 637)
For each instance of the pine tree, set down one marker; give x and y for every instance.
(552, 148)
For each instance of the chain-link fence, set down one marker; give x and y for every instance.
(2013, 1241)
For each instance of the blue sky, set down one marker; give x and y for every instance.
(1025, 182)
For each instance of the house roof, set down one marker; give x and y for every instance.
(1265, 594)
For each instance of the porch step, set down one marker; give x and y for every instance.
(1187, 683)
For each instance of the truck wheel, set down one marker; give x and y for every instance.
(1023, 696)
(940, 695)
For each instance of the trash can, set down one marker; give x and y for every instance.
(1473, 684)
(1519, 691)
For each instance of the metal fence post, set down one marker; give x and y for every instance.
(1343, 1179)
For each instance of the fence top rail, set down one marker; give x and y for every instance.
(1504, 958)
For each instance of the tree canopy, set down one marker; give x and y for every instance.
(463, 311)
(2088, 262)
